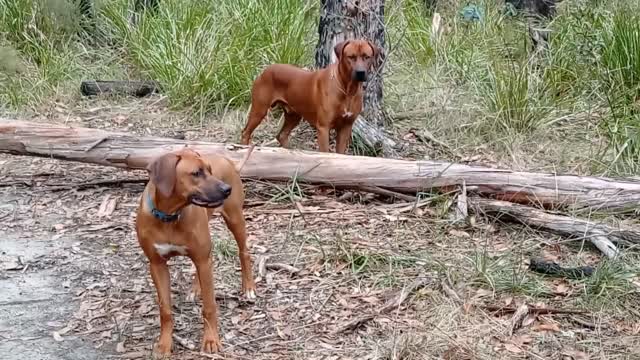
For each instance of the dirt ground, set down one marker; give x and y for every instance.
(330, 269)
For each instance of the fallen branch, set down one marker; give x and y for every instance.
(600, 235)
(93, 184)
(450, 292)
(389, 193)
(131, 88)
(518, 316)
(392, 304)
(427, 137)
(284, 267)
(277, 164)
(503, 310)
(184, 342)
(462, 205)
(553, 269)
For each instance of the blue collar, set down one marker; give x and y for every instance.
(159, 214)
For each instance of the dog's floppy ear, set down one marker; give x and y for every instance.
(340, 47)
(162, 172)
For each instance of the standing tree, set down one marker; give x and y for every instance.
(349, 19)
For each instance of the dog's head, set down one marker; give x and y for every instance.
(356, 57)
(187, 177)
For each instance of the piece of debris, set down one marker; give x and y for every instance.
(107, 206)
(392, 304)
(553, 269)
(11, 262)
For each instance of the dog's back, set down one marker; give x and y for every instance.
(286, 85)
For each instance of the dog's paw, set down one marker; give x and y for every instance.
(211, 344)
(162, 350)
(250, 294)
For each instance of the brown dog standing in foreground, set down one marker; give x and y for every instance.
(330, 98)
(173, 219)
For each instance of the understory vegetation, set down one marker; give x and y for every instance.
(205, 54)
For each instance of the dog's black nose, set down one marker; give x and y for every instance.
(361, 75)
(225, 190)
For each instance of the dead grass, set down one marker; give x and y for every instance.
(353, 255)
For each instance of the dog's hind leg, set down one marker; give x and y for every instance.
(291, 120)
(256, 115)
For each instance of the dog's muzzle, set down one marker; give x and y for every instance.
(213, 198)
(360, 75)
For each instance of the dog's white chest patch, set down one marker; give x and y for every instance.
(166, 249)
(347, 113)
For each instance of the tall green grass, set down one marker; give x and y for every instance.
(206, 54)
(514, 97)
(572, 61)
(621, 77)
(491, 57)
(38, 57)
(415, 32)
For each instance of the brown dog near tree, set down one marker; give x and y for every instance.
(330, 98)
(173, 219)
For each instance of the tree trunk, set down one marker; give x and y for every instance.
(277, 164)
(341, 20)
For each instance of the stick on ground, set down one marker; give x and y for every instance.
(600, 235)
(392, 304)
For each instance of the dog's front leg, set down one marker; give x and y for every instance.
(160, 276)
(211, 339)
(235, 221)
(343, 138)
(323, 139)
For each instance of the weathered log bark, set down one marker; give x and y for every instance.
(600, 235)
(131, 88)
(342, 20)
(277, 164)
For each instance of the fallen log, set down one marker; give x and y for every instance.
(600, 235)
(130, 88)
(276, 164)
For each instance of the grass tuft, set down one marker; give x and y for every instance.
(621, 73)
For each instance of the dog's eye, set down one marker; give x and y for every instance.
(198, 173)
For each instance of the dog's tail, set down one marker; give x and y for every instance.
(240, 165)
